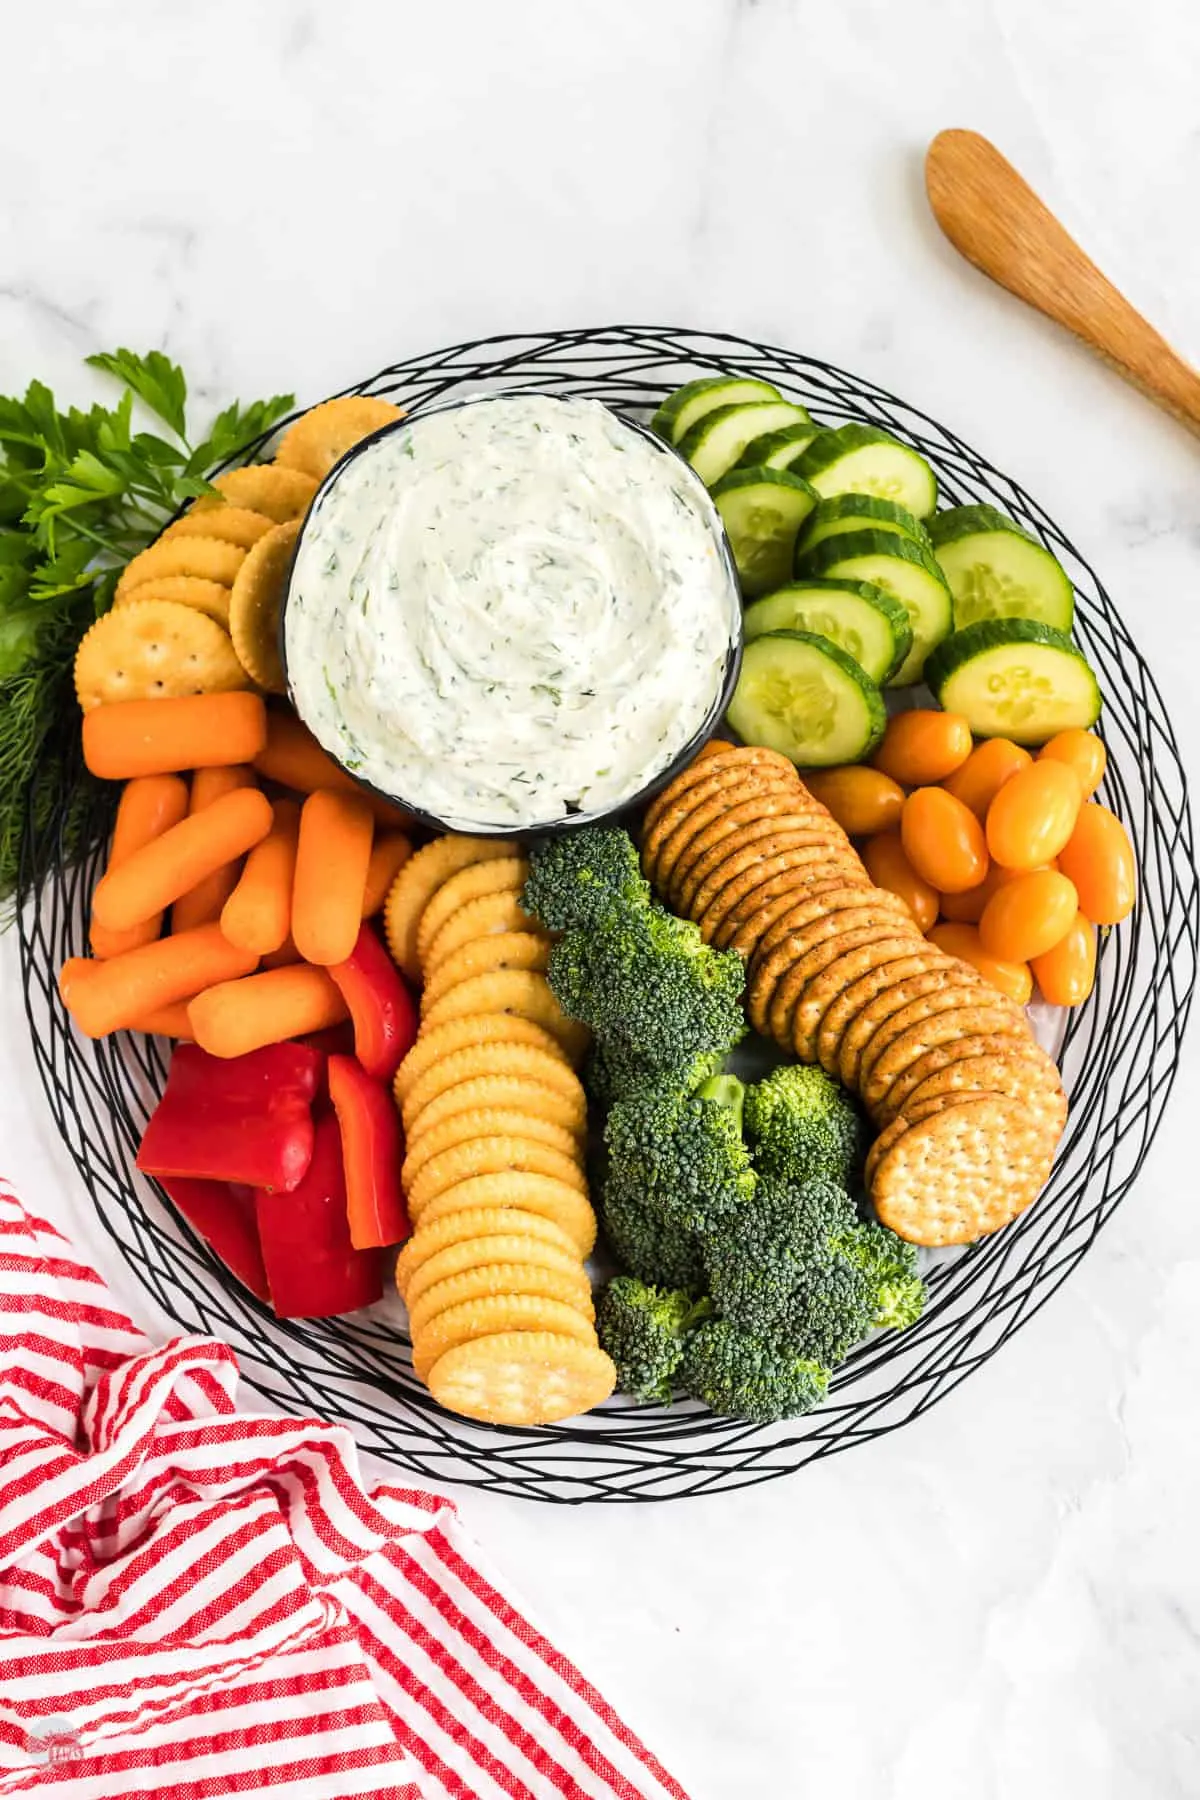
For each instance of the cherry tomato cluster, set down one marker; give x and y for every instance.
(1004, 859)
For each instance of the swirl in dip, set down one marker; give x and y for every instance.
(510, 610)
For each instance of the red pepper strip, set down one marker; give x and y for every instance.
(241, 1118)
(313, 1269)
(372, 1150)
(225, 1220)
(383, 1010)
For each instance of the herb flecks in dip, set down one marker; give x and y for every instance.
(509, 610)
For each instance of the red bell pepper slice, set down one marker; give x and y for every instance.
(372, 1151)
(313, 1269)
(241, 1118)
(383, 1011)
(224, 1218)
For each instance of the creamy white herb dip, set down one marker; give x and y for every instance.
(509, 610)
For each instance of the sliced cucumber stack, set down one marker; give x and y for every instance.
(857, 616)
(715, 442)
(997, 571)
(902, 569)
(763, 510)
(687, 405)
(799, 694)
(857, 459)
(1015, 678)
(779, 449)
(841, 513)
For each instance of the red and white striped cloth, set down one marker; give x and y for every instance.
(197, 1601)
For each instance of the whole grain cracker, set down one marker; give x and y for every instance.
(867, 987)
(961, 1173)
(903, 1047)
(937, 968)
(1025, 1063)
(818, 946)
(833, 978)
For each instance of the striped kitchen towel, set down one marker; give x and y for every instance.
(197, 1601)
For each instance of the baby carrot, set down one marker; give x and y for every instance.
(286, 954)
(292, 757)
(392, 850)
(202, 904)
(165, 1021)
(258, 913)
(332, 859)
(150, 805)
(162, 737)
(112, 996)
(235, 1017)
(158, 873)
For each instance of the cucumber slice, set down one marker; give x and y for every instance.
(997, 571)
(861, 512)
(763, 510)
(902, 569)
(855, 615)
(857, 459)
(714, 444)
(799, 694)
(1015, 678)
(682, 409)
(779, 449)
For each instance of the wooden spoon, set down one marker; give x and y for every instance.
(997, 222)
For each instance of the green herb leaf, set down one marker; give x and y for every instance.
(155, 379)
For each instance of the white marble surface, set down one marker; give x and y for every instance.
(1003, 1600)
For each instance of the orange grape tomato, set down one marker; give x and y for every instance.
(1066, 973)
(924, 746)
(1027, 917)
(943, 840)
(1033, 815)
(1099, 860)
(862, 800)
(1082, 751)
(963, 941)
(985, 772)
(889, 868)
(967, 908)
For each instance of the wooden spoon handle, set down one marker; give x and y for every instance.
(997, 221)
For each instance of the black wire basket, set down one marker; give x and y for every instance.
(1119, 1052)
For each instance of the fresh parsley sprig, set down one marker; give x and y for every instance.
(81, 492)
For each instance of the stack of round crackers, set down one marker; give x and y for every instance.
(198, 612)
(971, 1109)
(495, 1120)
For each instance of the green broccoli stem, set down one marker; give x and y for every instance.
(727, 1091)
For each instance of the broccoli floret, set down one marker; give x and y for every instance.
(643, 1329)
(801, 1124)
(575, 878)
(651, 988)
(777, 1272)
(737, 1374)
(890, 1265)
(684, 1152)
(646, 1243)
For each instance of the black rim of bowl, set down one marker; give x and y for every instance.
(570, 820)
